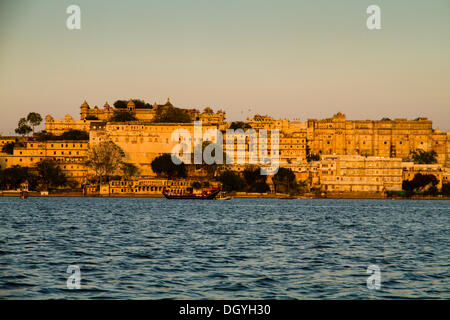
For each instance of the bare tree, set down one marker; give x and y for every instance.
(105, 159)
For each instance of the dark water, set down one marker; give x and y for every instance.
(242, 248)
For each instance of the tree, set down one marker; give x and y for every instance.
(138, 103)
(196, 185)
(129, 170)
(163, 165)
(420, 182)
(255, 181)
(311, 156)
(231, 181)
(50, 174)
(74, 135)
(424, 157)
(71, 134)
(445, 190)
(12, 178)
(284, 180)
(34, 119)
(104, 158)
(208, 110)
(8, 148)
(45, 136)
(122, 116)
(240, 125)
(170, 114)
(23, 128)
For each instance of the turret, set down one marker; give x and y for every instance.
(130, 105)
(84, 110)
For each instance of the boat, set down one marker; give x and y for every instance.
(206, 194)
(223, 196)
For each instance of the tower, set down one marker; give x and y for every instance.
(84, 110)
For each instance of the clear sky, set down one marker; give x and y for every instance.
(289, 59)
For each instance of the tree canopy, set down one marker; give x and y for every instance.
(420, 182)
(34, 119)
(122, 116)
(256, 182)
(66, 135)
(231, 181)
(27, 125)
(240, 125)
(171, 114)
(163, 165)
(50, 174)
(129, 170)
(12, 178)
(23, 127)
(8, 148)
(284, 180)
(138, 103)
(424, 157)
(104, 158)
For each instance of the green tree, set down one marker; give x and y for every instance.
(23, 128)
(424, 157)
(50, 174)
(104, 158)
(163, 165)
(34, 119)
(122, 116)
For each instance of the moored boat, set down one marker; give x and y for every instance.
(206, 194)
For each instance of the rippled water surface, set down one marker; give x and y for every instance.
(243, 248)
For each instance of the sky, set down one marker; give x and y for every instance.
(288, 59)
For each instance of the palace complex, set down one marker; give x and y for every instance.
(333, 155)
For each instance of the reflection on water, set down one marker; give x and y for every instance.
(243, 248)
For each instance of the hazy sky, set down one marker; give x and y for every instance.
(289, 59)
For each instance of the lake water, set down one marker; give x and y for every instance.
(148, 248)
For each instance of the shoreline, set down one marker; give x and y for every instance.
(238, 196)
